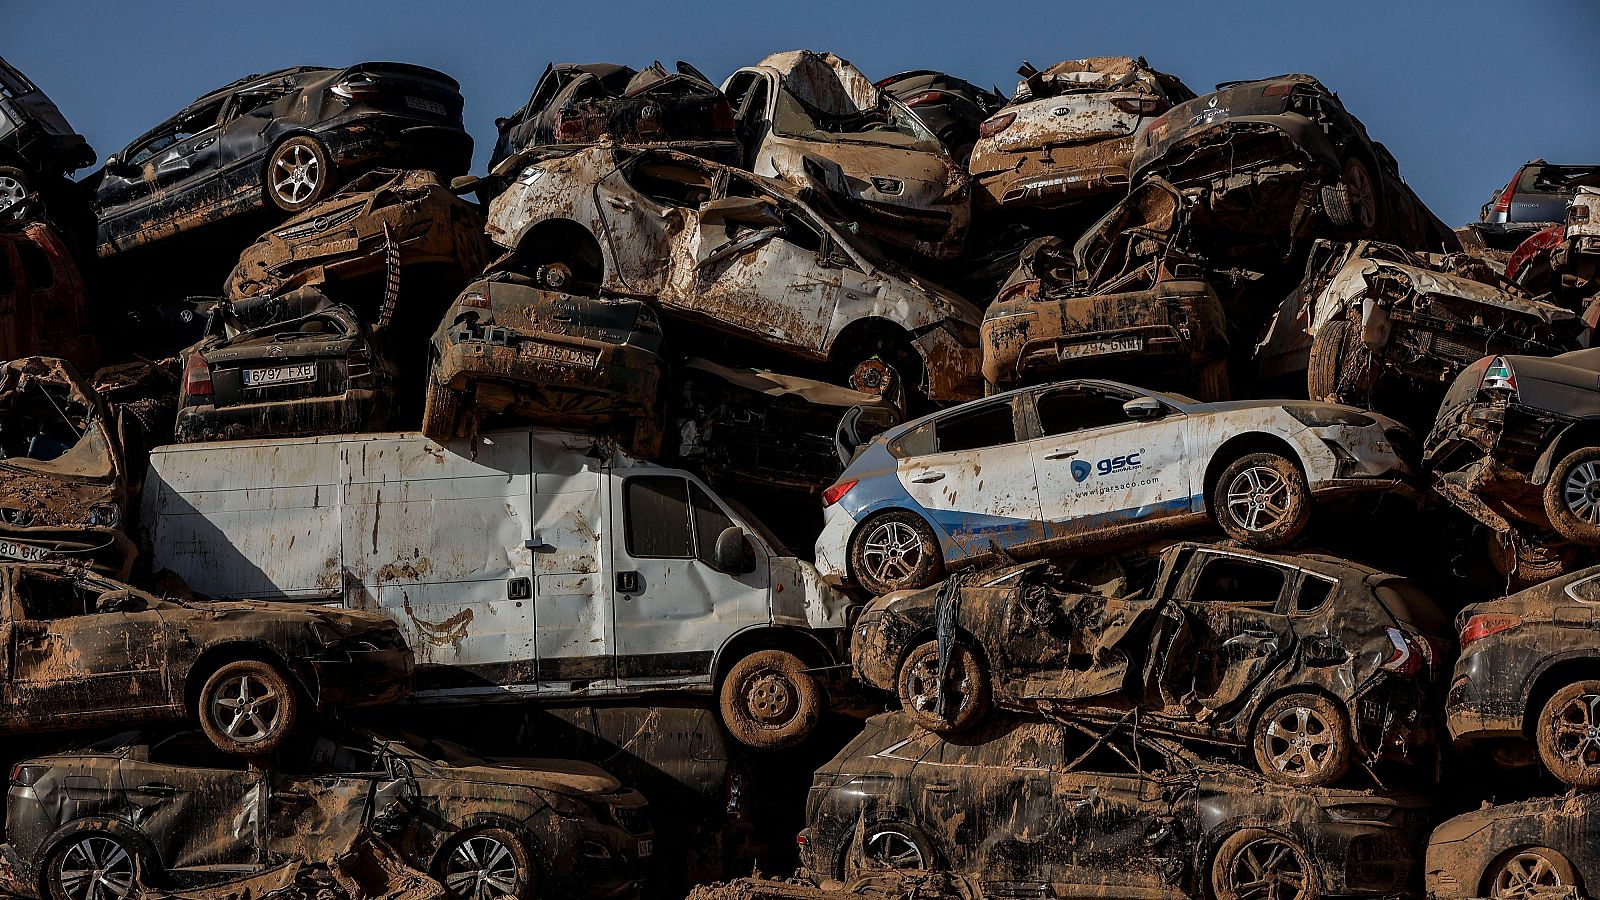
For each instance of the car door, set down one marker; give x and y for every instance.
(1097, 467)
(158, 175)
(243, 138)
(200, 808)
(571, 598)
(978, 483)
(1120, 834)
(751, 94)
(320, 798)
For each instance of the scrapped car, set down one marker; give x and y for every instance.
(507, 345)
(296, 364)
(1372, 319)
(384, 218)
(1564, 259)
(37, 146)
(1535, 198)
(1525, 678)
(950, 107)
(1125, 298)
(90, 650)
(159, 808)
(61, 454)
(284, 141)
(588, 103)
(1311, 662)
(44, 308)
(1083, 462)
(735, 253)
(815, 121)
(1031, 808)
(1514, 851)
(1069, 132)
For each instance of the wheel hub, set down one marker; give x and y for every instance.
(771, 698)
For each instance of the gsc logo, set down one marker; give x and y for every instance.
(1081, 469)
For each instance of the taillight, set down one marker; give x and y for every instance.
(358, 363)
(1577, 214)
(722, 117)
(196, 376)
(1022, 290)
(802, 840)
(569, 129)
(1480, 627)
(1140, 106)
(1499, 376)
(1406, 658)
(996, 125)
(25, 776)
(1502, 203)
(358, 87)
(832, 495)
(925, 97)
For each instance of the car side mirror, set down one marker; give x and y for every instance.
(118, 601)
(1143, 408)
(732, 553)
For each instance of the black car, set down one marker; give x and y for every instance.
(1040, 809)
(282, 140)
(952, 108)
(36, 143)
(1518, 851)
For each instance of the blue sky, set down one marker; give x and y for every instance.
(1461, 92)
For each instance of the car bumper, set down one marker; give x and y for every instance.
(398, 141)
(1057, 176)
(624, 375)
(364, 677)
(1485, 698)
(877, 645)
(354, 410)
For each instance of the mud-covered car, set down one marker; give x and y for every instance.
(1069, 132)
(160, 808)
(1513, 851)
(1084, 463)
(60, 453)
(952, 108)
(37, 145)
(507, 345)
(296, 364)
(1030, 808)
(282, 140)
(815, 121)
(734, 253)
(1124, 299)
(44, 308)
(89, 650)
(1312, 662)
(383, 218)
(1372, 319)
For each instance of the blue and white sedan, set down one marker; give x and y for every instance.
(1086, 462)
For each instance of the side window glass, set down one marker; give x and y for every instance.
(990, 425)
(191, 748)
(1112, 756)
(1070, 409)
(1239, 583)
(47, 597)
(36, 268)
(151, 147)
(1314, 594)
(1586, 591)
(755, 102)
(709, 522)
(657, 509)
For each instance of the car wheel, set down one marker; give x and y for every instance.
(966, 688)
(248, 707)
(1351, 203)
(1325, 368)
(94, 865)
(1568, 734)
(14, 189)
(441, 412)
(769, 701)
(1528, 873)
(888, 847)
(1262, 499)
(1303, 740)
(894, 552)
(487, 863)
(1572, 496)
(1527, 561)
(298, 173)
(1256, 864)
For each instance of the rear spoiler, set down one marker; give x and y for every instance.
(405, 69)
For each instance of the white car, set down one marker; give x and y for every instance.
(1084, 462)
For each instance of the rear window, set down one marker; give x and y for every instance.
(1557, 179)
(1410, 606)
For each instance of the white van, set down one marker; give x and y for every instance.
(524, 563)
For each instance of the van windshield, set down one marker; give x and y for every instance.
(759, 527)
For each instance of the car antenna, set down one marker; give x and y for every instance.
(59, 411)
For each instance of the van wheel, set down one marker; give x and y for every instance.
(1262, 500)
(1256, 864)
(894, 552)
(248, 707)
(1572, 496)
(1568, 734)
(298, 174)
(966, 688)
(441, 412)
(1351, 203)
(769, 701)
(1302, 740)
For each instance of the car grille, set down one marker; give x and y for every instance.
(633, 819)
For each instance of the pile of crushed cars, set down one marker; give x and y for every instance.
(1182, 507)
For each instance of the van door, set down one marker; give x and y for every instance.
(570, 596)
(671, 608)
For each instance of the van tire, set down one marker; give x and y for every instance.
(769, 701)
(918, 561)
(270, 692)
(441, 412)
(1572, 496)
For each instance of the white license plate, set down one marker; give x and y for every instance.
(24, 552)
(566, 355)
(427, 106)
(1101, 348)
(646, 847)
(280, 375)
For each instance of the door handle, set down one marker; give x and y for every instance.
(1061, 454)
(929, 478)
(156, 787)
(519, 588)
(628, 583)
(205, 143)
(620, 204)
(939, 787)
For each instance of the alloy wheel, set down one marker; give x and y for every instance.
(1577, 730)
(925, 687)
(95, 867)
(890, 849)
(482, 868)
(1582, 492)
(892, 551)
(1527, 874)
(1258, 498)
(246, 709)
(1299, 741)
(1358, 184)
(12, 192)
(1268, 869)
(296, 174)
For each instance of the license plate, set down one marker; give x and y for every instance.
(565, 355)
(427, 106)
(24, 552)
(280, 375)
(646, 847)
(1101, 348)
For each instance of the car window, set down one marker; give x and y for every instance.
(181, 129)
(988, 425)
(36, 268)
(1065, 410)
(659, 523)
(1313, 594)
(709, 522)
(1585, 591)
(45, 597)
(1238, 582)
(1115, 753)
(671, 183)
(254, 99)
(191, 748)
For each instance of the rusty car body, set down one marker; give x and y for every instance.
(283, 140)
(1124, 299)
(734, 253)
(160, 808)
(37, 145)
(60, 452)
(44, 307)
(1069, 132)
(950, 107)
(84, 650)
(385, 218)
(1031, 808)
(815, 121)
(507, 345)
(1533, 848)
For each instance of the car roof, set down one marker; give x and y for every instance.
(1182, 404)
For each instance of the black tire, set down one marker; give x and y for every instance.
(1302, 740)
(299, 173)
(487, 861)
(1572, 496)
(93, 865)
(248, 707)
(1567, 733)
(441, 412)
(769, 701)
(967, 700)
(15, 187)
(1261, 499)
(888, 846)
(1325, 368)
(1530, 872)
(1251, 856)
(1213, 381)
(1351, 203)
(895, 551)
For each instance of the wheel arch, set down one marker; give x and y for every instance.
(1552, 677)
(873, 331)
(1580, 434)
(149, 860)
(898, 814)
(1499, 859)
(1242, 445)
(1253, 710)
(1212, 839)
(485, 819)
(216, 656)
(567, 233)
(801, 642)
(872, 515)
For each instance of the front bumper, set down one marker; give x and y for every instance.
(623, 375)
(615, 849)
(832, 552)
(364, 677)
(353, 411)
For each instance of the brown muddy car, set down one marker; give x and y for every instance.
(80, 650)
(1518, 851)
(61, 460)
(44, 308)
(1313, 663)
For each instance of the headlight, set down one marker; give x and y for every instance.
(1323, 416)
(325, 634)
(564, 806)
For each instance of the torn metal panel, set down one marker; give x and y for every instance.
(61, 455)
(44, 308)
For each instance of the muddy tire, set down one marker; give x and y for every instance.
(1572, 496)
(1351, 203)
(1567, 733)
(1212, 381)
(888, 847)
(1256, 864)
(769, 701)
(1326, 365)
(1302, 740)
(894, 552)
(441, 412)
(968, 684)
(299, 173)
(92, 865)
(15, 186)
(487, 862)
(1529, 872)
(248, 707)
(1528, 562)
(1262, 500)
